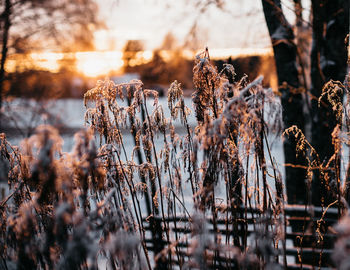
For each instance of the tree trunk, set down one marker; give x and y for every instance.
(5, 35)
(285, 54)
(328, 61)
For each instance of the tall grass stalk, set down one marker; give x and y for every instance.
(205, 195)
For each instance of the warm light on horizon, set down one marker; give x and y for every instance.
(94, 64)
(99, 63)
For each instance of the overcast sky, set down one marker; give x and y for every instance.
(240, 24)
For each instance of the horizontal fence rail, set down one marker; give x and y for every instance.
(308, 237)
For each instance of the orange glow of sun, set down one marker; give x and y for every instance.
(99, 63)
(94, 64)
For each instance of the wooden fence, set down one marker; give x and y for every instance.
(307, 243)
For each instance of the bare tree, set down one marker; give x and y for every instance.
(26, 25)
(5, 27)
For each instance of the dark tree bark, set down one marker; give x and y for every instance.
(298, 13)
(330, 26)
(5, 23)
(285, 54)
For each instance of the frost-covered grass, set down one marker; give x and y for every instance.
(76, 210)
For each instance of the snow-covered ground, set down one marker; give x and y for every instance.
(25, 115)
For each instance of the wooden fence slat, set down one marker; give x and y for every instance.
(297, 220)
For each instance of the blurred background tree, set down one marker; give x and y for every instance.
(130, 51)
(32, 25)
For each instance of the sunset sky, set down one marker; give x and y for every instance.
(242, 24)
(237, 28)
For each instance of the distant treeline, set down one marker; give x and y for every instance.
(159, 72)
(40, 84)
(155, 74)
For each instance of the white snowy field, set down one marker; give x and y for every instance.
(22, 116)
(68, 116)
